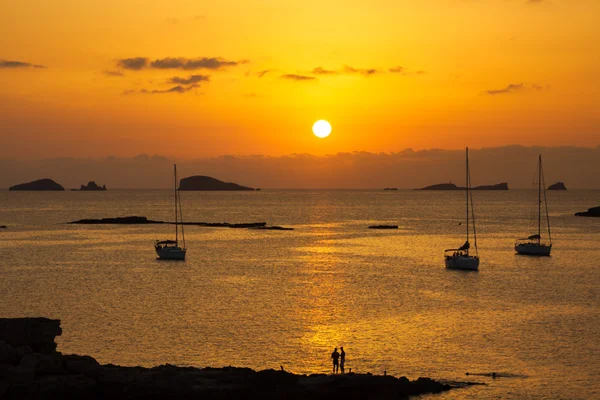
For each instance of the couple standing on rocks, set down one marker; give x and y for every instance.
(338, 360)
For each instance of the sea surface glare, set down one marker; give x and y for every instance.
(262, 299)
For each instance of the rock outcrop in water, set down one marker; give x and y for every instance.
(557, 186)
(591, 212)
(92, 186)
(143, 220)
(30, 368)
(40, 184)
(199, 182)
(452, 186)
(118, 221)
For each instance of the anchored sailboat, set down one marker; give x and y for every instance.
(170, 249)
(460, 258)
(533, 245)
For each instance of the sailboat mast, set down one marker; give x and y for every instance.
(467, 189)
(539, 198)
(545, 202)
(175, 192)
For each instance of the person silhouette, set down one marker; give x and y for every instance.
(335, 357)
(342, 359)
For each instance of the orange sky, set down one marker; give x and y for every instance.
(394, 74)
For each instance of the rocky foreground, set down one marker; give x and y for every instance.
(31, 368)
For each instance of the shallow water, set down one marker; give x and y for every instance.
(268, 298)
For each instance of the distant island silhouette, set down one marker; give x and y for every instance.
(40, 184)
(200, 182)
(591, 212)
(452, 186)
(557, 186)
(390, 188)
(92, 186)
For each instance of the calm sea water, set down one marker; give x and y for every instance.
(268, 298)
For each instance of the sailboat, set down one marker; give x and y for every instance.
(533, 245)
(461, 258)
(170, 249)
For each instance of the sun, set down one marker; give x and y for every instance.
(321, 128)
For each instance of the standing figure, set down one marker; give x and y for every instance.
(342, 359)
(335, 357)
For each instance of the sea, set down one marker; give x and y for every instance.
(270, 299)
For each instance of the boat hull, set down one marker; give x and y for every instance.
(467, 263)
(170, 253)
(533, 249)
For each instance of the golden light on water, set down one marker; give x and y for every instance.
(321, 128)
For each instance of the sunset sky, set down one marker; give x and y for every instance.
(192, 79)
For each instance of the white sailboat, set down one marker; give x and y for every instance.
(170, 249)
(460, 258)
(533, 245)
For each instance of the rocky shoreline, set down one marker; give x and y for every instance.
(31, 368)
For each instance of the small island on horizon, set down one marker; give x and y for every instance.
(452, 186)
(557, 186)
(201, 182)
(40, 184)
(91, 186)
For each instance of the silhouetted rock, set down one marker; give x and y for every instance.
(591, 212)
(118, 221)
(452, 186)
(557, 186)
(390, 189)
(91, 186)
(199, 182)
(272, 228)
(37, 333)
(3, 227)
(52, 375)
(384, 227)
(40, 184)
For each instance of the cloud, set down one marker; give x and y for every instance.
(175, 89)
(295, 77)
(512, 88)
(263, 73)
(134, 64)
(190, 80)
(397, 70)
(212, 63)
(323, 71)
(18, 64)
(363, 71)
(113, 73)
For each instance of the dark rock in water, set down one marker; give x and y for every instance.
(118, 221)
(390, 189)
(557, 186)
(52, 375)
(227, 224)
(199, 182)
(272, 228)
(384, 227)
(452, 186)
(91, 186)
(40, 184)
(3, 227)
(591, 212)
